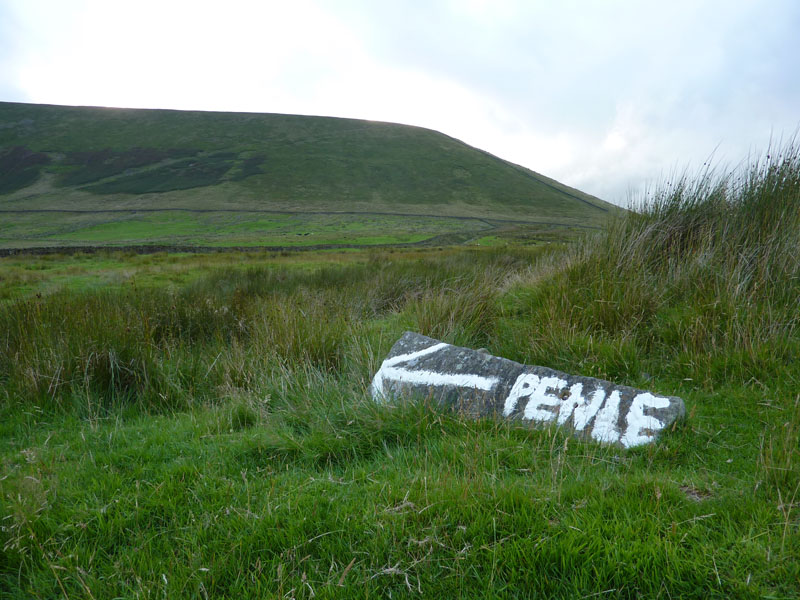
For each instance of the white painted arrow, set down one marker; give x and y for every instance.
(390, 370)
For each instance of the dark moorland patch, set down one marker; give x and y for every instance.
(187, 173)
(249, 166)
(20, 167)
(92, 165)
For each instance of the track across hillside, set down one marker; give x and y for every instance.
(486, 220)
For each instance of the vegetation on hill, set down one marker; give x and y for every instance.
(19, 167)
(106, 159)
(200, 426)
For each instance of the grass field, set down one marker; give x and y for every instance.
(199, 425)
(183, 229)
(225, 228)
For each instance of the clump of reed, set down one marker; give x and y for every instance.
(155, 348)
(703, 276)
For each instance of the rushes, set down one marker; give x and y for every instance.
(463, 314)
(158, 349)
(705, 277)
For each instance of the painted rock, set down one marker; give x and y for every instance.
(480, 385)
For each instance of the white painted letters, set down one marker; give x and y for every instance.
(581, 409)
(604, 429)
(641, 427)
(542, 403)
(546, 397)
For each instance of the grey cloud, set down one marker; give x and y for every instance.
(9, 41)
(666, 82)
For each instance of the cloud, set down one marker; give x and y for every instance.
(603, 96)
(606, 95)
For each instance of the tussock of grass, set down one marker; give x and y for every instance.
(166, 350)
(706, 276)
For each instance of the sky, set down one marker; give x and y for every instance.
(609, 96)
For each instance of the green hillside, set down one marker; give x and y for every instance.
(93, 160)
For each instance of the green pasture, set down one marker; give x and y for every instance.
(26, 275)
(200, 426)
(224, 229)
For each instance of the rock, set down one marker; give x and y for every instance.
(477, 384)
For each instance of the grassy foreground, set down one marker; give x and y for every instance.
(207, 432)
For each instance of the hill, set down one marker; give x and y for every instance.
(254, 174)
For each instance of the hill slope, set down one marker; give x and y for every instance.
(97, 159)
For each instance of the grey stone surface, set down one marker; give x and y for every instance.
(479, 385)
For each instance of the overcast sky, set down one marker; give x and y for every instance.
(605, 95)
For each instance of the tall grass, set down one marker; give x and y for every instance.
(705, 275)
(700, 285)
(161, 349)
